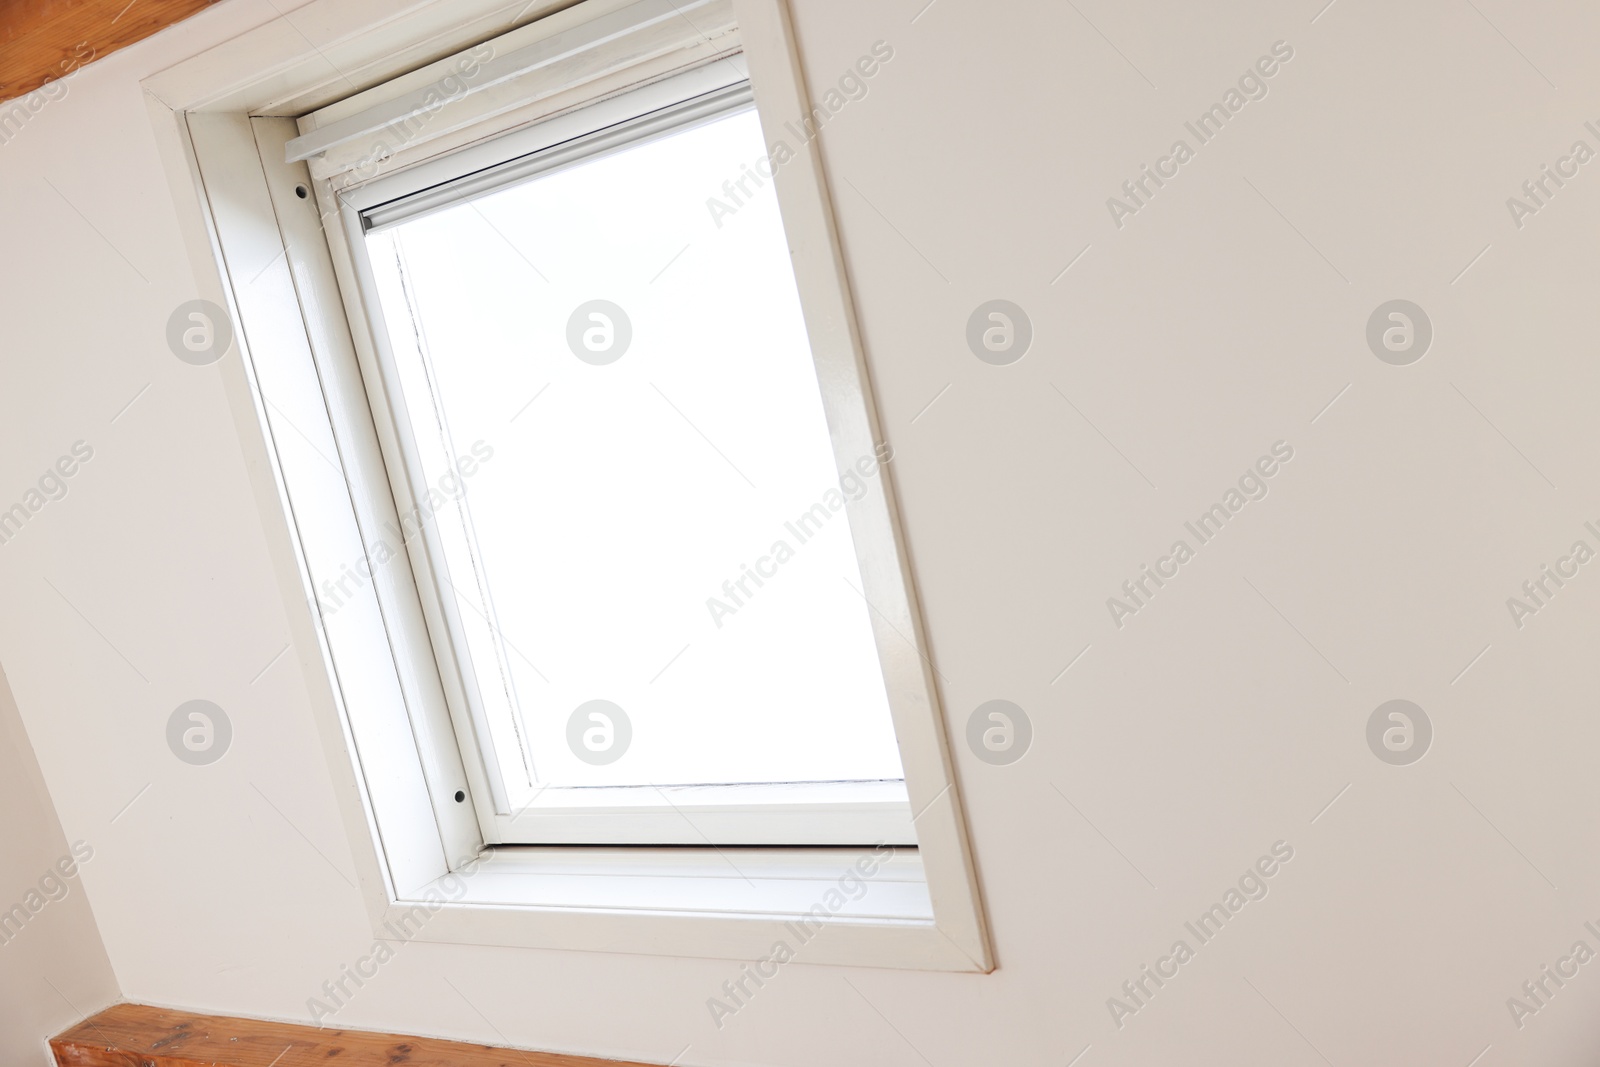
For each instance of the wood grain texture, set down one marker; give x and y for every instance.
(133, 1035)
(44, 40)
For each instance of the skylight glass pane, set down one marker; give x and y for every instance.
(645, 464)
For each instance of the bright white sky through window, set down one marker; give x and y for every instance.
(621, 496)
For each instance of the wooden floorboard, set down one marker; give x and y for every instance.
(45, 40)
(133, 1035)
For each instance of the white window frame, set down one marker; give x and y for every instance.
(801, 813)
(223, 120)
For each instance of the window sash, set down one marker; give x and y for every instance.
(811, 813)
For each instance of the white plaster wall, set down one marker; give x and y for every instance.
(1220, 719)
(53, 966)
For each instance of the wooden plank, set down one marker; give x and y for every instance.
(42, 40)
(134, 1035)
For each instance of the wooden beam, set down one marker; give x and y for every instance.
(133, 1035)
(43, 40)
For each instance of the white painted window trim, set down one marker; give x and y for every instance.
(836, 813)
(260, 252)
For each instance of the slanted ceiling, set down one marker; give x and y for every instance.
(45, 40)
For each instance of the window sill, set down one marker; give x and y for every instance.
(861, 907)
